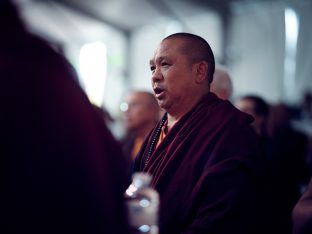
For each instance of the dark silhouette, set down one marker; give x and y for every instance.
(63, 172)
(284, 149)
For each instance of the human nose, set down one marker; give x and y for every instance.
(157, 75)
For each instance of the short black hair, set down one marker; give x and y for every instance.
(261, 108)
(197, 48)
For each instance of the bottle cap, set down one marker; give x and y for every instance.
(141, 179)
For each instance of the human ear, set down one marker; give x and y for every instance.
(201, 69)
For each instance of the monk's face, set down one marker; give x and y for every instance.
(172, 76)
(141, 112)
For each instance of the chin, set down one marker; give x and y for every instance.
(162, 104)
(164, 108)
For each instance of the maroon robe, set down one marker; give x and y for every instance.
(302, 213)
(205, 170)
(62, 170)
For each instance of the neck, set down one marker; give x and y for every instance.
(171, 121)
(174, 116)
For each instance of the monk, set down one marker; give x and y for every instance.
(202, 154)
(140, 116)
(222, 84)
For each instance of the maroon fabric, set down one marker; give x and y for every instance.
(63, 171)
(302, 213)
(206, 171)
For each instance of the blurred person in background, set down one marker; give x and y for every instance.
(306, 106)
(221, 84)
(62, 170)
(259, 109)
(284, 150)
(304, 123)
(288, 144)
(140, 115)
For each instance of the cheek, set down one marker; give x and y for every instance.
(139, 112)
(133, 113)
(176, 82)
(182, 86)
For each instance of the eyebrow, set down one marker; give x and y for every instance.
(157, 60)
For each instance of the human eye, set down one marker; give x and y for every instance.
(164, 64)
(152, 67)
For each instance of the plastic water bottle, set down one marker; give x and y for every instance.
(142, 203)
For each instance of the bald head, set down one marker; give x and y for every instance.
(142, 111)
(147, 97)
(222, 84)
(197, 49)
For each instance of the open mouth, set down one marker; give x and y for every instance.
(158, 90)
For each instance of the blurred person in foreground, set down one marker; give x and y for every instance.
(140, 116)
(202, 154)
(63, 171)
(221, 84)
